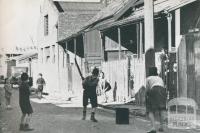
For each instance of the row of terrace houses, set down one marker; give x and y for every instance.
(114, 41)
(59, 19)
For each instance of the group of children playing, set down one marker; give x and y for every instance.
(8, 89)
(24, 97)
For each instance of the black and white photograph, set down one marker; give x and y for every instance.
(100, 66)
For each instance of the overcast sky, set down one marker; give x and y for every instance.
(19, 20)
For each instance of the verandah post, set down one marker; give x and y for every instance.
(149, 34)
(119, 42)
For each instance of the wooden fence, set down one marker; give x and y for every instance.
(116, 72)
(119, 72)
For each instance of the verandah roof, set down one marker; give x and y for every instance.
(159, 6)
(137, 15)
(109, 14)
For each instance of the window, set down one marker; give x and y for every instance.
(190, 17)
(41, 52)
(47, 54)
(53, 54)
(63, 57)
(46, 25)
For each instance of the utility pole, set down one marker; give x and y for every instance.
(149, 24)
(149, 34)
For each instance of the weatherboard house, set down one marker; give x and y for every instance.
(114, 40)
(57, 20)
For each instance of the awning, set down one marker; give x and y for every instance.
(26, 56)
(138, 15)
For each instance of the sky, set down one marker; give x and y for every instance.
(18, 22)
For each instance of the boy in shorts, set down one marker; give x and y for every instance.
(89, 85)
(40, 83)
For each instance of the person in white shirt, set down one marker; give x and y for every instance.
(156, 97)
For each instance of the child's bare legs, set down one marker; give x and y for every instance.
(92, 118)
(8, 102)
(105, 97)
(152, 119)
(162, 119)
(23, 119)
(28, 119)
(84, 112)
(22, 122)
(94, 109)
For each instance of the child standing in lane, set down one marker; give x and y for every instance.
(24, 102)
(8, 92)
(40, 83)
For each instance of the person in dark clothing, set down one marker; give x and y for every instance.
(89, 85)
(40, 83)
(156, 98)
(24, 103)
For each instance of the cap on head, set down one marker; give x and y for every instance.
(95, 71)
(24, 76)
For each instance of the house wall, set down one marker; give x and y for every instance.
(182, 67)
(128, 42)
(3, 65)
(116, 74)
(10, 64)
(69, 78)
(192, 62)
(93, 48)
(137, 69)
(197, 67)
(187, 59)
(33, 66)
(47, 46)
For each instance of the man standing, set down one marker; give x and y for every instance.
(89, 85)
(40, 83)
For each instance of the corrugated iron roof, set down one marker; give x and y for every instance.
(107, 14)
(109, 11)
(159, 6)
(26, 56)
(137, 15)
(71, 22)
